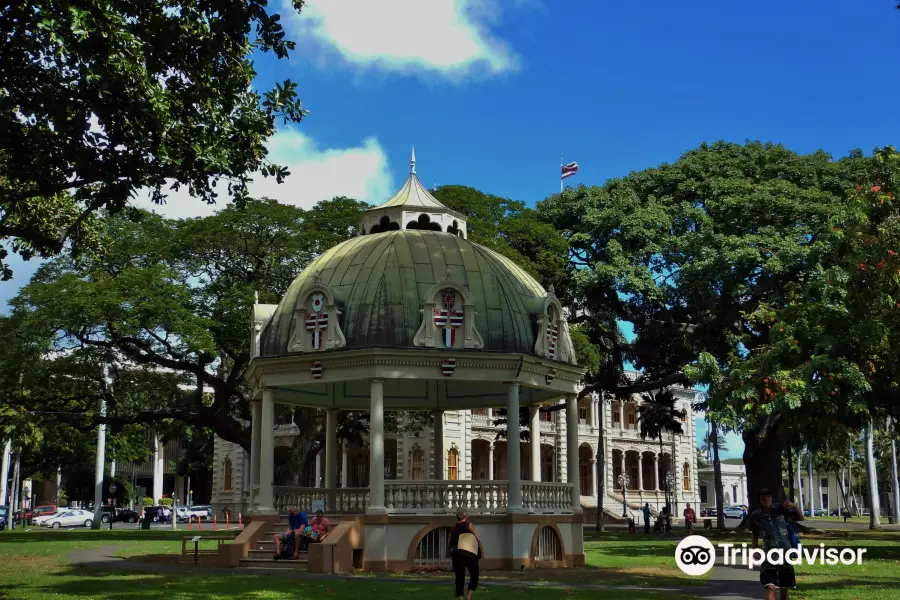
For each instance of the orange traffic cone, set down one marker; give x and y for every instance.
(215, 523)
(199, 524)
(227, 524)
(189, 524)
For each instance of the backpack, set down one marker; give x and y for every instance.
(287, 549)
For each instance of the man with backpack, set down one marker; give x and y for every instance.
(286, 543)
(771, 521)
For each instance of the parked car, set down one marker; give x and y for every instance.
(707, 512)
(126, 515)
(819, 512)
(733, 512)
(39, 520)
(108, 514)
(4, 516)
(44, 510)
(203, 511)
(71, 518)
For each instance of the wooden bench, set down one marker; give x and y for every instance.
(198, 552)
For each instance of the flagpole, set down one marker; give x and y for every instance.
(560, 174)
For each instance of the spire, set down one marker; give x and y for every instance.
(412, 162)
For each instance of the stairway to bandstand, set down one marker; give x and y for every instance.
(261, 555)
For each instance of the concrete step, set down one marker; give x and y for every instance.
(268, 563)
(267, 553)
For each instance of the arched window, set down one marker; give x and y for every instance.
(686, 477)
(227, 476)
(453, 464)
(417, 464)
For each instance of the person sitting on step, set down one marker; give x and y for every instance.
(317, 530)
(296, 524)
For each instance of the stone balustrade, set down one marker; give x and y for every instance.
(442, 497)
(347, 501)
(544, 497)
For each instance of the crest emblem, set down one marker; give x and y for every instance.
(551, 375)
(448, 365)
(316, 369)
(552, 338)
(447, 319)
(317, 303)
(316, 323)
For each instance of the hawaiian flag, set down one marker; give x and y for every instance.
(568, 170)
(317, 323)
(552, 336)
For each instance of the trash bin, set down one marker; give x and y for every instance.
(145, 522)
(707, 523)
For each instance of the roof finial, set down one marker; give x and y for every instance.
(412, 162)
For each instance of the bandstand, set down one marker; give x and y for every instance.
(411, 316)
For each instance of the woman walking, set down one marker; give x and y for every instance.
(465, 550)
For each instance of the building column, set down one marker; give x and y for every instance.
(331, 449)
(376, 447)
(4, 472)
(267, 454)
(491, 460)
(656, 470)
(439, 458)
(535, 434)
(594, 477)
(641, 472)
(513, 449)
(318, 482)
(572, 447)
(157, 472)
(112, 468)
(255, 422)
(622, 414)
(622, 467)
(345, 458)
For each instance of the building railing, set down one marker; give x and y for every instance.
(585, 429)
(545, 497)
(347, 501)
(547, 426)
(442, 497)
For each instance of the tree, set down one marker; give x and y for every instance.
(102, 99)
(657, 414)
(684, 252)
(168, 301)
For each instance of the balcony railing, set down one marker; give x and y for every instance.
(446, 496)
(347, 501)
(480, 420)
(585, 429)
(543, 497)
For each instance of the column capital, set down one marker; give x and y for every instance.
(376, 380)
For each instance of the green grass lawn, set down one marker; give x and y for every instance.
(34, 568)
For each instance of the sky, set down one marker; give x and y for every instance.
(491, 93)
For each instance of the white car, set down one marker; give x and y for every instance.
(194, 512)
(733, 512)
(70, 518)
(37, 521)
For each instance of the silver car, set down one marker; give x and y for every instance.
(733, 512)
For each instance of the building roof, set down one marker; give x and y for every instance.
(380, 282)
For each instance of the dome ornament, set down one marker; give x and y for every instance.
(316, 320)
(448, 310)
(553, 340)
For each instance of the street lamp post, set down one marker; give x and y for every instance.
(624, 480)
(112, 492)
(670, 485)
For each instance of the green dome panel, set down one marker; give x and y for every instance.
(380, 281)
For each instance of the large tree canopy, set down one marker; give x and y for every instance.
(100, 99)
(172, 301)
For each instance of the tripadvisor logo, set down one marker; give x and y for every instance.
(695, 555)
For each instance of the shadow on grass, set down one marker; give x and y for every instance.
(87, 535)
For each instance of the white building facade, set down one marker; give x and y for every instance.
(471, 449)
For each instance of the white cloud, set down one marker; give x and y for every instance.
(451, 37)
(359, 172)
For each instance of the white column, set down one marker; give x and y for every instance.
(318, 482)
(255, 422)
(376, 447)
(572, 447)
(656, 471)
(4, 473)
(99, 469)
(112, 468)
(594, 476)
(345, 456)
(157, 475)
(640, 471)
(513, 460)
(535, 433)
(331, 449)
(439, 458)
(491, 460)
(267, 454)
(622, 414)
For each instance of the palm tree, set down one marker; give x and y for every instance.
(656, 415)
(709, 440)
(872, 477)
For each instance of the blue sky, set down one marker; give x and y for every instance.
(491, 93)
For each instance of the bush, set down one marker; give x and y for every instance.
(166, 501)
(148, 501)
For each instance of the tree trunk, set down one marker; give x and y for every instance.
(762, 460)
(601, 468)
(800, 482)
(812, 484)
(843, 493)
(790, 457)
(895, 509)
(872, 477)
(717, 476)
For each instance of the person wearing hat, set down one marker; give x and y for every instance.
(772, 522)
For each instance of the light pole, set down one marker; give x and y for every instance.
(624, 481)
(112, 492)
(670, 485)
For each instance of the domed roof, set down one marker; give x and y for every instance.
(380, 283)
